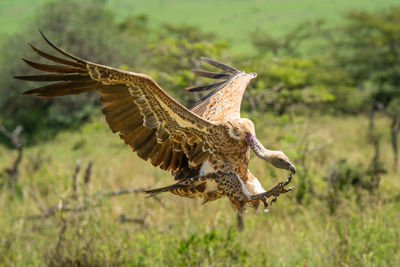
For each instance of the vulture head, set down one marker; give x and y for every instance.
(279, 160)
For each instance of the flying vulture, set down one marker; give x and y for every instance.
(206, 148)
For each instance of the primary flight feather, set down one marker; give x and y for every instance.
(207, 148)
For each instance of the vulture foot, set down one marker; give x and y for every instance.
(274, 192)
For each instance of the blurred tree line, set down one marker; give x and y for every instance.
(315, 68)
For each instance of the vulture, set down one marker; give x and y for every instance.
(206, 148)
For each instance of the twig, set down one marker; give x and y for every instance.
(14, 136)
(62, 229)
(88, 172)
(53, 210)
(75, 179)
(127, 192)
(140, 220)
(85, 202)
(120, 192)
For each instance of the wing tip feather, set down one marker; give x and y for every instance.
(60, 50)
(19, 78)
(220, 65)
(30, 92)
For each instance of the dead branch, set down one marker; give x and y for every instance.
(394, 131)
(139, 220)
(14, 136)
(53, 210)
(88, 172)
(62, 230)
(120, 192)
(80, 207)
(373, 137)
(85, 201)
(18, 142)
(75, 179)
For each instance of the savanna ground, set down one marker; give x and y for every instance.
(315, 106)
(181, 232)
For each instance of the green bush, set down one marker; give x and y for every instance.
(86, 29)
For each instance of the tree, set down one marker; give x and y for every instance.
(176, 51)
(287, 82)
(369, 51)
(289, 44)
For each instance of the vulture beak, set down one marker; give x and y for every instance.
(292, 168)
(253, 75)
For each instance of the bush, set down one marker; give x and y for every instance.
(62, 22)
(345, 179)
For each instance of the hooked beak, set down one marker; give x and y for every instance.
(292, 168)
(252, 75)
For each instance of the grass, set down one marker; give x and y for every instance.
(231, 20)
(180, 232)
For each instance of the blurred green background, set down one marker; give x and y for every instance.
(327, 94)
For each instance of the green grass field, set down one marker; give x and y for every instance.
(231, 20)
(182, 232)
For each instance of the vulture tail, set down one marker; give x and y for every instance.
(153, 192)
(186, 188)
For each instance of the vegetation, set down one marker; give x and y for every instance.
(231, 20)
(327, 94)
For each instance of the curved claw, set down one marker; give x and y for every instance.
(274, 199)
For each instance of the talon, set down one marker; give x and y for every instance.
(274, 192)
(265, 201)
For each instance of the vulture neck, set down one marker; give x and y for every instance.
(259, 149)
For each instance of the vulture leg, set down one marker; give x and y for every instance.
(233, 187)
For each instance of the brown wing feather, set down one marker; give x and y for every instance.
(147, 119)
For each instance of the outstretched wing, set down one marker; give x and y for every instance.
(135, 106)
(224, 100)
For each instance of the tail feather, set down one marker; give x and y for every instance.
(186, 188)
(153, 192)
